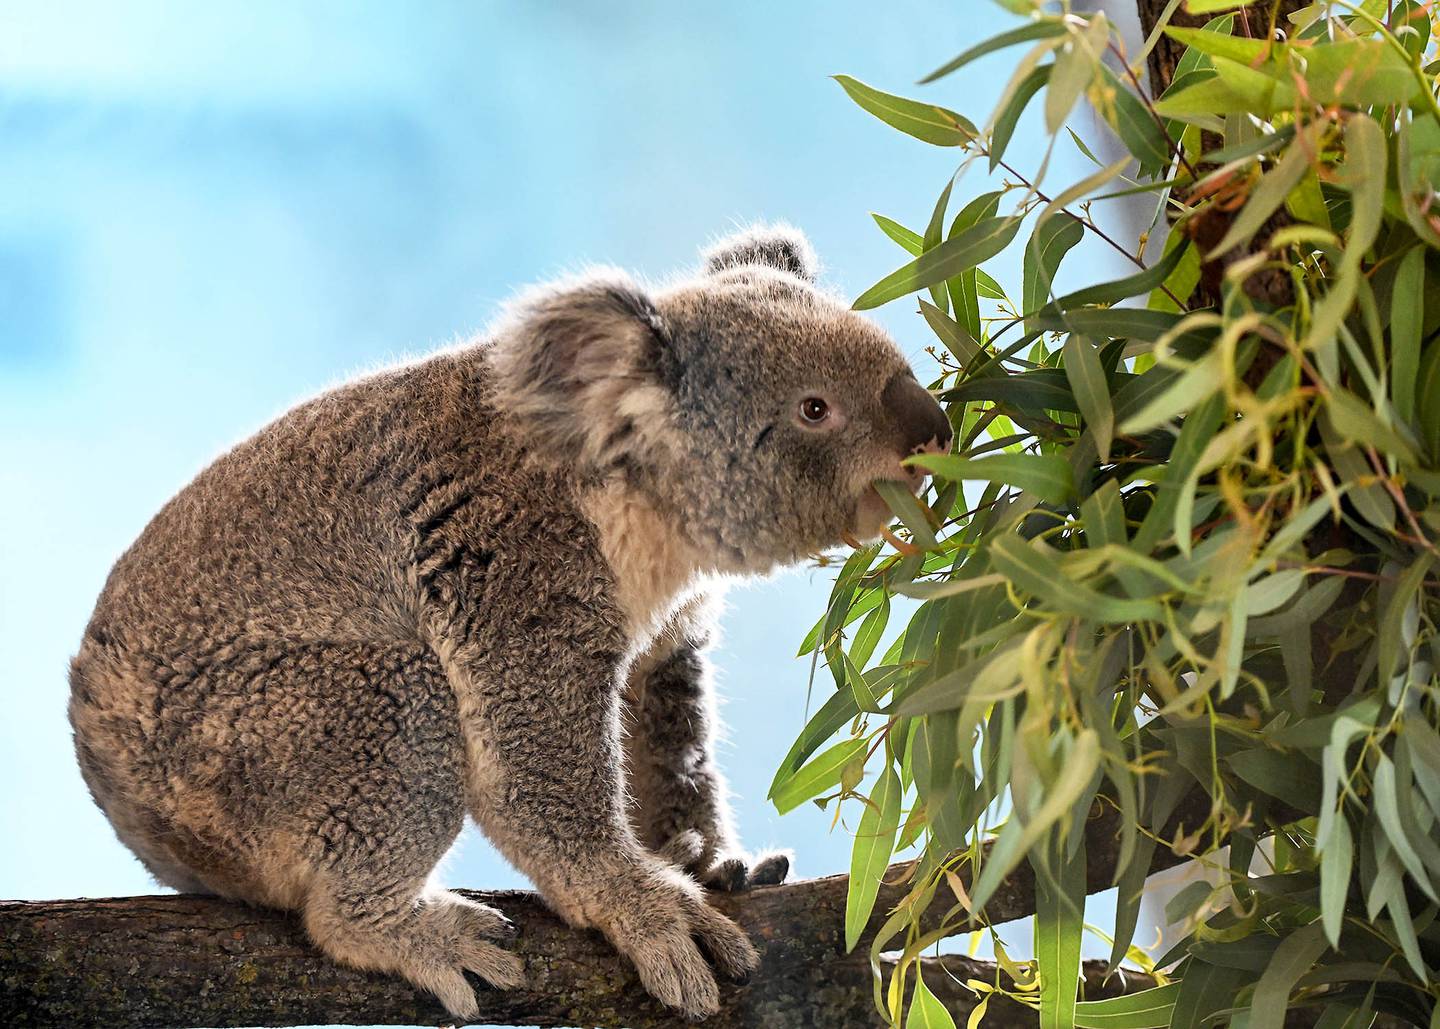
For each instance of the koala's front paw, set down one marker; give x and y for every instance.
(728, 870)
(655, 921)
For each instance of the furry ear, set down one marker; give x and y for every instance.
(579, 366)
(778, 246)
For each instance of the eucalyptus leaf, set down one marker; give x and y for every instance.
(956, 254)
(927, 122)
(874, 843)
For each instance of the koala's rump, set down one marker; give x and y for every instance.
(253, 692)
(274, 761)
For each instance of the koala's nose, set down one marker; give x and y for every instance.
(920, 423)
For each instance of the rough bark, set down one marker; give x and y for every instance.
(176, 961)
(196, 961)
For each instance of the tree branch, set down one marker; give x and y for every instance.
(175, 961)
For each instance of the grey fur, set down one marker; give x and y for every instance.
(478, 583)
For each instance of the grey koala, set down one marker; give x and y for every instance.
(478, 583)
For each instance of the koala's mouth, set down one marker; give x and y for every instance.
(872, 514)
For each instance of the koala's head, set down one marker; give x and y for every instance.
(752, 406)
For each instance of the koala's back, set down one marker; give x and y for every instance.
(272, 612)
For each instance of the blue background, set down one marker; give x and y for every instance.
(211, 211)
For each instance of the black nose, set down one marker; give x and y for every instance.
(920, 423)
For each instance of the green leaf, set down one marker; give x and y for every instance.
(909, 510)
(1204, 990)
(874, 843)
(1219, 44)
(926, 1011)
(1137, 128)
(1039, 390)
(1274, 187)
(1117, 322)
(1263, 89)
(1427, 392)
(1356, 73)
(1048, 476)
(926, 122)
(934, 231)
(909, 240)
(1015, 105)
(987, 286)
(1195, 434)
(826, 722)
(1148, 1009)
(1059, 926)
(1388, 811)
(957, 339)
(1287, 777)
(1122, 289)
(1419, 142)
(971, 247)
(1200, 95)
(1407, 316)
(1357, 423)
(1104, 516)
(1336, 859)
(1295, 956)
(1052, 240)
(1017, 837)
(1211, 6)
(1075, 67)
(1092, 392)
(819, 775)
(1044, 29)
(1392, 616)
(1030, 567)
(1363, 173)
(1130, 890)
(869, 633)
(1189, 389)
(964, 288)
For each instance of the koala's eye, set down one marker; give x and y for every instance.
(813, 410)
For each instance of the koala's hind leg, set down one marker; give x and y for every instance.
(678, 795)
(393, 804)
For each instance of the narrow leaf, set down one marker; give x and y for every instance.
(819, 775)
(1092, 392)
(956, 254)
(874, 843)
(1048, 476)
(1045, 29)
(926, 122)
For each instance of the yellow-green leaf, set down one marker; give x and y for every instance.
(874, 842)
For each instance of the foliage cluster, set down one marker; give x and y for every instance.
(1197, 551)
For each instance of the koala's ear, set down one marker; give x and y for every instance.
(778, 246)
(579, 365)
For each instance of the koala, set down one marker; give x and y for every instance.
(483, 583)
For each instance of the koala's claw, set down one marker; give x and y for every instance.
(728, 871)
(734, 872)
(728, 874)
(476, 925)
(668, 935)
(770, 869)
(498, 967)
